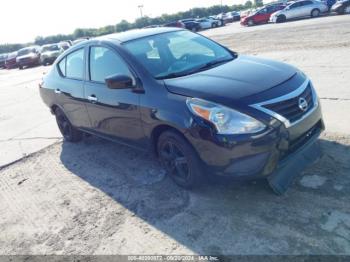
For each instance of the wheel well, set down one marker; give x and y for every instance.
(316, 9)
(53, 109)
(158, 131)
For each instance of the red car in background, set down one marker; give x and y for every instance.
(262, 15)
(11, 60)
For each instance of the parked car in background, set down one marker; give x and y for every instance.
(49, 53)
(224, 18)
(79, 40)
(200, 107)
(299, 9)
(178, 24)
(65, 45)
(206, 23)
(191, 24)
(262, 15)
(28, 56)
(233, 16)
(11, 60)
(341, 7)
(2, 60)
(221, 21)
(215, 22)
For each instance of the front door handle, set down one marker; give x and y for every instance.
(57, 91)
(92, 98)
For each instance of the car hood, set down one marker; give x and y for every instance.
(30, 55)
(242, 77)
(50, 53)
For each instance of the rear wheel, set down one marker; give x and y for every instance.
(179, 159)
(69, 133)
(20, 67)
(315, 13)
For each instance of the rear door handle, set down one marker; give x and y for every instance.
(92, 98)
(57, 91)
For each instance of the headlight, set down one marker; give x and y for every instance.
(226, 120)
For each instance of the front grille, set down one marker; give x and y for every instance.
(298, 142)
(25, 60)
(290, 109)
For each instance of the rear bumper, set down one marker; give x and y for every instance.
(251, 157)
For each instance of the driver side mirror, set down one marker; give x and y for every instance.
(119, 82)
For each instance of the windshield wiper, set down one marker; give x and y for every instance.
(173, 75)
(197, 69)
(213, 63)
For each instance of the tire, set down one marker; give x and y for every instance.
(194, 29)
(315, 13)
(250, 22)
(69, 133)
(281, 19)
(179, 160)
(20, 67)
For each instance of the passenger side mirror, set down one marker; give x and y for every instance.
(119, 82)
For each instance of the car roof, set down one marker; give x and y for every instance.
(137, 33)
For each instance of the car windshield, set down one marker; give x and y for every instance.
(25, 51)
(178, 53)
(46, 48)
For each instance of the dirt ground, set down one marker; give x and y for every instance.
(96, 197)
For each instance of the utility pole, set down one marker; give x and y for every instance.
(140, 7)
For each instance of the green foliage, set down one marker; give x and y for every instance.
(139, 23)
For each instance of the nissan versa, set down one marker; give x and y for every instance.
(200, 107)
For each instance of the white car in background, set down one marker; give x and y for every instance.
(205, 23)
(298, 9)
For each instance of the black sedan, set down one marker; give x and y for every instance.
(341, 7)
(202, 108)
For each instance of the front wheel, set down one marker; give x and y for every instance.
(69, 133)
(179, 160)
(281, 19)
(315, 13)
(250, 22)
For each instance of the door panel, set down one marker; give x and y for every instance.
(70, 96)
(113, 112)
(69, 92)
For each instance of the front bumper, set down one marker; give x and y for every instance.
(48, 59)
(260, 156)
(336, 8)
(28, 61)
(273, 19)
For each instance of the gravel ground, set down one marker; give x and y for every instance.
(101, 198)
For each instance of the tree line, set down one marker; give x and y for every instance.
(138, 23)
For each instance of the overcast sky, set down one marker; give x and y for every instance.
(22, 21)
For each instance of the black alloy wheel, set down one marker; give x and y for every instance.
(69, 133)
(179, 159)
